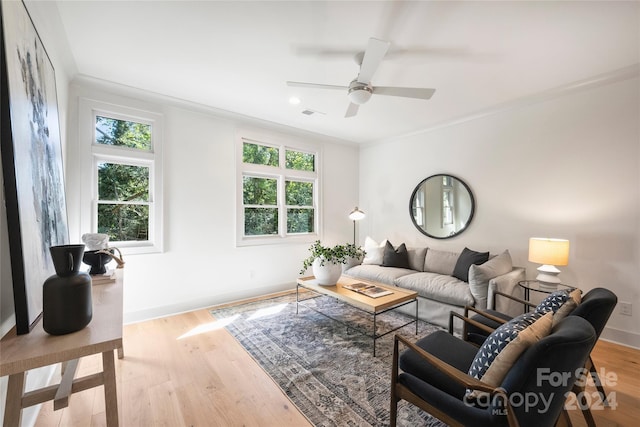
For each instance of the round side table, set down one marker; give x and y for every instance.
(537, 286)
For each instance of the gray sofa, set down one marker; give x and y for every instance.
(430, 274)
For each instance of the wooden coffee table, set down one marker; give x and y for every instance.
(374, 306)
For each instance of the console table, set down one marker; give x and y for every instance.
(20, 353)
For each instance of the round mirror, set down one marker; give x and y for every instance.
(441, 206)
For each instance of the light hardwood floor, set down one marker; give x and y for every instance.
(171, 378)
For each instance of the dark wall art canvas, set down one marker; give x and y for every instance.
(31, 161)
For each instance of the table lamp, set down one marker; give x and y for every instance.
(355, 215)
(549, 253)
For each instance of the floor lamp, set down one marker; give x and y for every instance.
(355, 215)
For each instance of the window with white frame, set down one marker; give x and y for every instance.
(278, 190)
(121, 152)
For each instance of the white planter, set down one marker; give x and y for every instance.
(327, 274)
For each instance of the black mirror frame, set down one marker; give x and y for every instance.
(471, 214)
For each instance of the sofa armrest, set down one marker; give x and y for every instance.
(508, 284)
(351, 262)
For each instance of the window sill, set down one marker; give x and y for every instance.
(136, 248)
(276, 240)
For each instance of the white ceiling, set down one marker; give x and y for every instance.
(237, 56)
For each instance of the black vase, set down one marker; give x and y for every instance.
(66, 296)
(97, 261)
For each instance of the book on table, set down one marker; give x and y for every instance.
(369, 290)
(103, 279)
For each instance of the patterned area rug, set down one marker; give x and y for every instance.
(326, 369)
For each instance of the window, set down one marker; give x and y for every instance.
(447, 201)
(122, 152)
(278, 192)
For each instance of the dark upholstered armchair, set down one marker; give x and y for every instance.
(432, 374)
(596, 307)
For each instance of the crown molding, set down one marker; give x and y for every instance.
(621, 74)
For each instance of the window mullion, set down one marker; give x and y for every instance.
(123, 202)
(282, 210)
(121, 152)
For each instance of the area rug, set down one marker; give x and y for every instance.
(327, 369)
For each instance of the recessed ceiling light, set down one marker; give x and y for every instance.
(294, 100)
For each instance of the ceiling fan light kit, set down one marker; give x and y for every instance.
(360, 89)
(359, 93)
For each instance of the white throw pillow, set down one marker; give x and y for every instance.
(374, 251)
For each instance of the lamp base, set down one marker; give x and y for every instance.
(548, 276)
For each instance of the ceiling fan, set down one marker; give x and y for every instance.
(360, 89)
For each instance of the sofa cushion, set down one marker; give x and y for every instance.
(377, 273)
(437, 287)
(395, 257)
(465, 260)
(416, 258)
(479, 276)
(374, 251)
(442, 262)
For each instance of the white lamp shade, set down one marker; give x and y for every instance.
(356, 214)
(549, 251)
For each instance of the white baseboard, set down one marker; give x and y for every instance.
(630, 339)
(197, 304)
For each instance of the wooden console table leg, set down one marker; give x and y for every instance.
(61, 400)
(120, 352)
(110, 393)
(13, 408)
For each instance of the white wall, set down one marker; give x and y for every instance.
(201, 265)
(567, 167)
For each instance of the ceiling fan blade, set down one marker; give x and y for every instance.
(324, 51)
(352, 110)
(376, 50)
(407, 92)
(421, 53)
(433, 51)
(394, 15)
(316, 85)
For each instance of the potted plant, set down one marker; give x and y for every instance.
(326, 262)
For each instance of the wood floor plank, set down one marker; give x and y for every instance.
(624, 364)
(187, 370)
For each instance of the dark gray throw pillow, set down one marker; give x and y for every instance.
(466, 258)
(395, 257)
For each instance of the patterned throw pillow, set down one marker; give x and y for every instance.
(560, 303)
(503, 347)
(553, 302)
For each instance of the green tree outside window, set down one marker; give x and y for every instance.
(260, 195)
(123, 133)
(123, 189)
